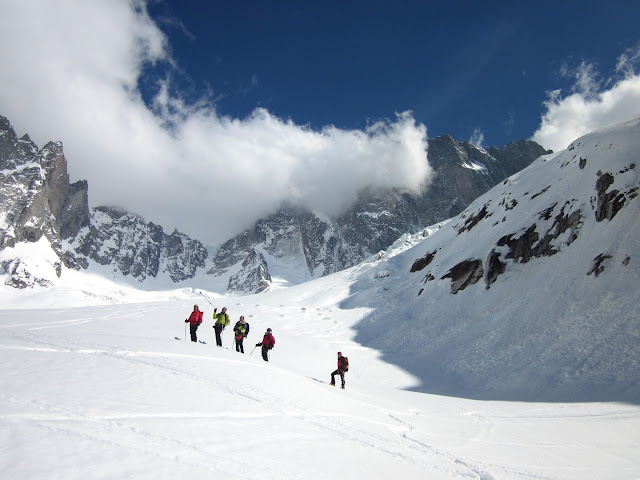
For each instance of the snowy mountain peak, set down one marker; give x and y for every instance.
(37, 201)
(299, 245)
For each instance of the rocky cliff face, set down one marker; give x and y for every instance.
(462, 173)
(37, 201)
(36, 193)
(138, 248)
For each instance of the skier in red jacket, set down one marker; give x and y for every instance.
(268, 342)
(194, 322)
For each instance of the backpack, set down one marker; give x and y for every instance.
(345, 364)
(241, 331)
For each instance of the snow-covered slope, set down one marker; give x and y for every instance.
(106, 392)
(532, 292)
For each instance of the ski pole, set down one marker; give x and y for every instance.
(185, 331)
(206, 299)
(254, 348)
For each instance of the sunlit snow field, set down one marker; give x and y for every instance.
(105, 391)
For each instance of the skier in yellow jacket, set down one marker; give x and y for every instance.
(222, 320)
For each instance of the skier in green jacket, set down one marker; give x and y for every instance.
(222, 320)
(241, 330)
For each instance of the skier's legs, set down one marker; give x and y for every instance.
(218, 328)
(239, 346)
(333, 377)
(265, 352)
(342, 377)
(192, 329)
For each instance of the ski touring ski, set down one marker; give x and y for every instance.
(199, 341)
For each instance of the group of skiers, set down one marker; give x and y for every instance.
(241, 330)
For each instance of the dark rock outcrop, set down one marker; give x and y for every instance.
(464, 274)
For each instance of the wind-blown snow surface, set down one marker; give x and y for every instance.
(93, 384)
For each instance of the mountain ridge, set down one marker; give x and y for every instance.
(35, 185)
(462, 172)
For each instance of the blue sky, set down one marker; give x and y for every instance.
(205, 116)
(457, 65)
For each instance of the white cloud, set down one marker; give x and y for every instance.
(590, 106)
(627, 61)
(71, 71)
(477, 138)
(510, 122)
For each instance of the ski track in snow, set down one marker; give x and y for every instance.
(104, 428)
(396, 441)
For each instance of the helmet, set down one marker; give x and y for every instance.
(268, 330)
(340, 353)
